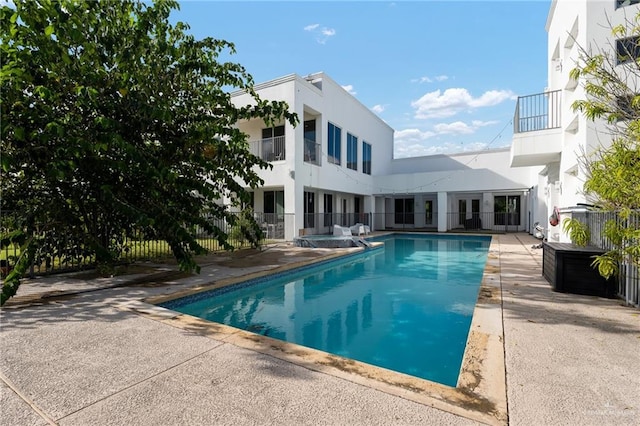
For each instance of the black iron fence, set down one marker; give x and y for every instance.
(455, 221)
(65, 255)
(322, 223)
(628, 279)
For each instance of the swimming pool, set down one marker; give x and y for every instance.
(406, 307)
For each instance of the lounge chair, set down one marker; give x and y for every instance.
(342, 231)
(360, 228)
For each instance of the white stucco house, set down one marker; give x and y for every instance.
(337, 165)
(547, 132)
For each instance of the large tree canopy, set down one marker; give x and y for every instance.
(115, 120)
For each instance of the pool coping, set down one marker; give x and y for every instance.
(480, 393)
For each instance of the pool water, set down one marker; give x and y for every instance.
(406, 307)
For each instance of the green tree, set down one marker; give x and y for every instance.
(611, 79)
(116, 122)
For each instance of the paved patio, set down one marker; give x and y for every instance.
(92, 353)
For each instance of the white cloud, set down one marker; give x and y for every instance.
(411, 135)
(423, 79)
(328, 32)
(456, 128)
(461, 128)
(480, 123)
(378, 108)
(349, 88)
(439, 104)
(427, 79)
(322, 33)
(415, 142)
(403, 150)
(417, 150)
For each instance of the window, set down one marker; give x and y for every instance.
(352, 152)
(506, 210)
(328, 210)
(623, 3)
(272, 132)
(627, 49)
(626, 109)
(309, 209)
(366, 158)
(462, 211)
(310, 150)
(404, 211)
(273, 206)
(333, 150)
(428, 212)
(310, 130)
(273, 143)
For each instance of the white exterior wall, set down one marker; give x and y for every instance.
(442, 179)
(319, 97)
(572, 25)
(466, 176)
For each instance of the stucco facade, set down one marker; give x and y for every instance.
(322, 176)
(548, 133)
(318, 181)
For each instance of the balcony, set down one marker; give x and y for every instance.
(311, 152)
(537, 132)
(270, 149)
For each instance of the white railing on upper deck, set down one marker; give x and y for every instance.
(270, 149)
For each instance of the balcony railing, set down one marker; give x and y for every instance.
(311, 152)
(537, 112)
(270, 149)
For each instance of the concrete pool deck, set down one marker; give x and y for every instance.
(95, 354)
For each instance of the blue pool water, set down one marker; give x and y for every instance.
(406, 307)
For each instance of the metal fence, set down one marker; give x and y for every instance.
(269, 149)
(456, 221)
(628, 279)
(68, 256)
(322, 223)
(537, 112)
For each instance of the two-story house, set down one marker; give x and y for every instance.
(337, 167)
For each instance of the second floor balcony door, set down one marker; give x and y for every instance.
(273, 143)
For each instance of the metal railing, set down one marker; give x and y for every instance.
(272, 224)
(322, 223)
(66, 255)
(311, 152)
(270, 149)
(456, 221)
(628, 280)
(537, 112)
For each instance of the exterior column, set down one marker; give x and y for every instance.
(487, 210)
(369, 208)
(443, 211)
(293, 207)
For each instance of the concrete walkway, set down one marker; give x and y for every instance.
(88, 358)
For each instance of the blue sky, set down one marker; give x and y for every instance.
(443, 74)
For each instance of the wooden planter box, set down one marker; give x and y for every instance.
(568, 269)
